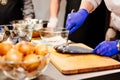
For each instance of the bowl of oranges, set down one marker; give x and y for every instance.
(23, 60)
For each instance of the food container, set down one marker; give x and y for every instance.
(54, 36)
(37, 27)
(38, 24)
(24, 60)
(15, 33)
(2, 32)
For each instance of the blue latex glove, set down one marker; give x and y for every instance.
(107, 48)
(75, 20)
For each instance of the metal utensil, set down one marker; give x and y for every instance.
(67, 43)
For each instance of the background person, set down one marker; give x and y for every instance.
(88, 33)
(15, 10)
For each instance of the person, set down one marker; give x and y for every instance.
(109, 49)
(75, 20)
(15, 10)
(87, 32)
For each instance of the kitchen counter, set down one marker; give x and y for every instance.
(52, 72)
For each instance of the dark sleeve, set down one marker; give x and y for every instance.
(117, 57)
(28, 9)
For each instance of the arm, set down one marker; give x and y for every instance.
(54, 10)
(90, 5)
(28, 10)
(85, 4)
(76, 19)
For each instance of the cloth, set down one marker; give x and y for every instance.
(28, 10)
(111, 34)
(15, 10)
(114, 7)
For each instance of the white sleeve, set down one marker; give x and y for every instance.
(95, 3)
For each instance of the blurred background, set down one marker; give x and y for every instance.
(41, 8)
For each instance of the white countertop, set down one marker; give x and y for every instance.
(57, 75)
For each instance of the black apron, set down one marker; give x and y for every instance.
(71, 4)
(11, 11)
(92, 32)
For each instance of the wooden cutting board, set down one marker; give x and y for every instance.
(80, 63)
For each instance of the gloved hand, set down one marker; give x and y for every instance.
(107, 48)
(75, 20)
(52, 23)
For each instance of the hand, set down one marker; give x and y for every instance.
(52, 23)
(28, 18)
(75, 20)
(107, 48)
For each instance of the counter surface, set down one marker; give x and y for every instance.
(52, 72)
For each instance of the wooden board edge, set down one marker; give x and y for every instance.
(68, 72)
(78, 71)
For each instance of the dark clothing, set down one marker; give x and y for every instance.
(15, 10)
(93, 30)
(71, 4)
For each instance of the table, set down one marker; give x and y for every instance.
(52, 72)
